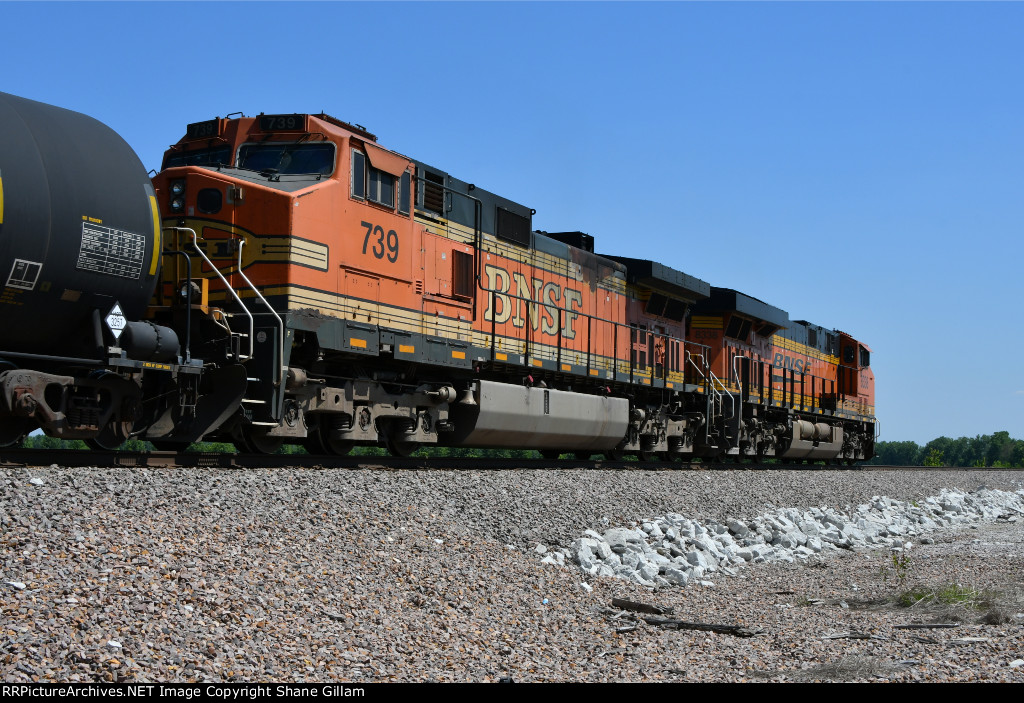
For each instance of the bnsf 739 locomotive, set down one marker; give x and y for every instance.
(317, 288)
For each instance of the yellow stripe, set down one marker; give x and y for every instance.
(706, 322)
(156, 233)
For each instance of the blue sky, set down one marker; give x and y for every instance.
(860, 165)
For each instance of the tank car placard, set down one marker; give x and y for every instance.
(111, 251)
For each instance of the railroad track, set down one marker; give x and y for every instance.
(159, 459)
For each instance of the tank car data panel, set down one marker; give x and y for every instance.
(110, 251)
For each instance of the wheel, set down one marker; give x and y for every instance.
(647, 455)
(110, 437)
(13, 431)
(250, 439)
(581, 456)
(550, 454)
(319, 440)
(400, 448)
(614, 455)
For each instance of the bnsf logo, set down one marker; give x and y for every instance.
(504, 307)
(789, 362)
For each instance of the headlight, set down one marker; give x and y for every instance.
(177, 187)
(177, 203)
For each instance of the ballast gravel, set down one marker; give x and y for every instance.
(212, 575)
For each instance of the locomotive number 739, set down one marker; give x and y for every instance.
(380, 248)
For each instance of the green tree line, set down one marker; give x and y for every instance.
(997, 450)
(41, 441)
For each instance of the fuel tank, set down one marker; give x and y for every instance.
(79, 231)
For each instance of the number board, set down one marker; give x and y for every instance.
(283, 123)
(203, 130)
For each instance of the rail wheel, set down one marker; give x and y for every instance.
(551, 454)
(581, 456)
(401, 448)
(319, 441)
(251, 439)
(111, 437)
(614, 455)
(13, 431)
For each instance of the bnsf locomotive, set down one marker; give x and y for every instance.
(286, 279)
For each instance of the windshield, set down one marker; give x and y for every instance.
(290, 158)
(214, 156)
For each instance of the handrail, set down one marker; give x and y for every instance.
(280, 339)
(760, 380)
(227, 286)
(188, 301)
(711, 383)
(732, 400)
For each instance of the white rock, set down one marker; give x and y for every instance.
(637, 578)
(648, 571)
(619, 537)
(677, 576)
(738, 528)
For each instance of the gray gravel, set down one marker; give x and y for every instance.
(341, 575)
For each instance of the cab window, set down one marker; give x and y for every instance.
(376, 186)
(289, 158)
(215, 156)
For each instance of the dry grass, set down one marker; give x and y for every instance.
(852, 668)
(954, 602)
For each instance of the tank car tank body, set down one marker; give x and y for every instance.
(80, 252)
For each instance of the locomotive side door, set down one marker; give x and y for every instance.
(848, 370)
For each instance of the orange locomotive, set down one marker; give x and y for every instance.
(340, 293)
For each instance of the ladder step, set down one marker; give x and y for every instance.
(252, 401)
(264, 424)
(251, 380)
